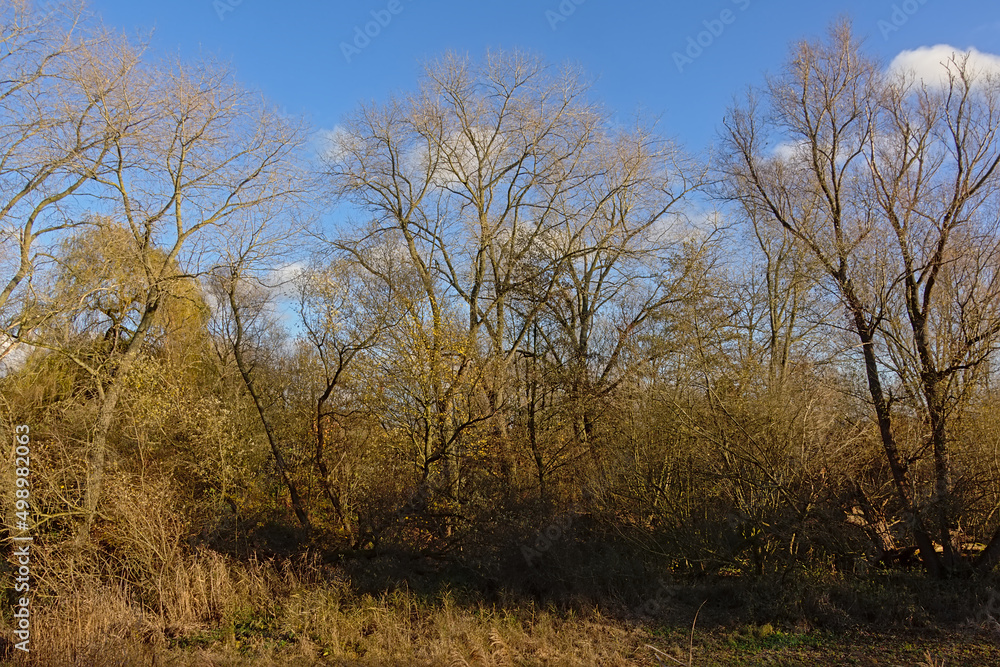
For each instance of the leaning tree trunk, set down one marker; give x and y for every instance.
(898, 469)
(97, 453)
(279, 460)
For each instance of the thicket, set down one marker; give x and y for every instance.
(488, 336)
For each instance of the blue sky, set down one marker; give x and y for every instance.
(640, 53)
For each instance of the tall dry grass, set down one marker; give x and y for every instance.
(218, 612)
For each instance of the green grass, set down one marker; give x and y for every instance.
(754, 639)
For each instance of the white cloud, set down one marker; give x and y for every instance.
(460, 155)
(282, 279)
(13, 354)
(330, 144)
(786, 151)
(930, 64)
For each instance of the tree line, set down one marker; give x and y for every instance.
(488, 299)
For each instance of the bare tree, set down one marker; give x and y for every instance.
(778, 303)
(192, 156)
(468, 176)
(820, 104)
(888, 186)
(244, 323)
(935, 182)
(620, 262)
(345, 313)
(62, 84)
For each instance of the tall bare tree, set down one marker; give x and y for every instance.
(620, 261)
(62, 84)
(935, 183)
(470, 174)
(886, 184)
(819, 109)
(192, 156)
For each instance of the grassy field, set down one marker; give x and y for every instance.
(303, 612)
(396, 631)
(488, 639)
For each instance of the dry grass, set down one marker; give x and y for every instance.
(218, 613)
(222, 613)
(140, 596)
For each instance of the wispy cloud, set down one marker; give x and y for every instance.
(329, 144)
(282, 279)
(787, 151)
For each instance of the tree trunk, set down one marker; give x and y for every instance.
(324, 473)
(279, 460)
(898, 469)
(97, 454)
(990, 556)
